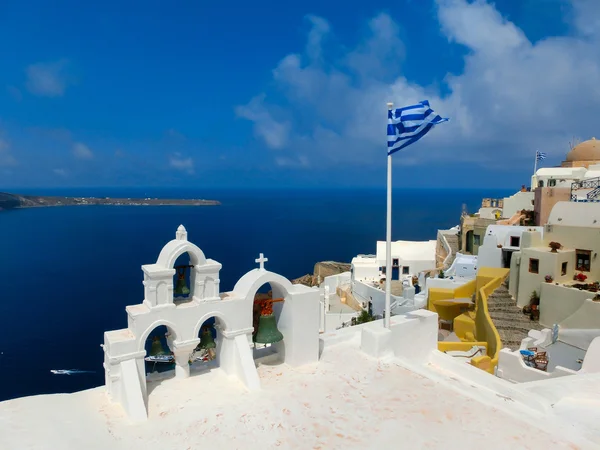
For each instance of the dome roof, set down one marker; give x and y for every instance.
(586, 151)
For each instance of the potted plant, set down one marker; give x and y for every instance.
(554, 246)
(548, 278)
(581, 277)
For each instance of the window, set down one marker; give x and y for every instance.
(541, 183)
(582, 260)
(563, 269)
(515, 241)
(476, 239)
(395, 262)
(405, 270)
(551, 183)
(534, 265)
(383, 270)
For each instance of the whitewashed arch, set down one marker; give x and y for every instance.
(175, 248)
(248, 285)
(217, 314)
(141, 345)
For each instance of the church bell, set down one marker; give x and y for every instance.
(267, 332)
(157, 348)
(206, 340)
(181, 287)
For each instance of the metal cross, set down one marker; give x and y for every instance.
(261, 260)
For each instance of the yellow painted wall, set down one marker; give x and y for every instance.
(446, 311)
(472, 328)
(491, 279)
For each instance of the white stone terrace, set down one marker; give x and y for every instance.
(347, 400)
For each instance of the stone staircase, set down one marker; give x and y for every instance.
(508, 318)
(452, 240)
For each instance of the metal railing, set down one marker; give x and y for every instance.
(591, 196)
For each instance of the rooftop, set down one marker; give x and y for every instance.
(409, 250)
(585, 151)
(347, 400)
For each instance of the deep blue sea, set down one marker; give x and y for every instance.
(67, 273)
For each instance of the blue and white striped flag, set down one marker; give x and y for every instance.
(539, 156)
(409, 124)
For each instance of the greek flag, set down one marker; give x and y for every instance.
(540, 155)
(409, 124)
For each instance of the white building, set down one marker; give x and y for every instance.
(499, 243)
(408, 257)
(463, 266)
(365, 267)
(563, 176)
(522, 200)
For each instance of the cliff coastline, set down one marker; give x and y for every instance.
(16, 201)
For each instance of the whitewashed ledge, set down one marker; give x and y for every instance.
(347, 400)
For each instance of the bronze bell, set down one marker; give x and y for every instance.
(181, 287)
(206, 340)
(267, 332)
(157, 348)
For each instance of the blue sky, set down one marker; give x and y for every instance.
(265, 93)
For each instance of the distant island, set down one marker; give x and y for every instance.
(16, 201)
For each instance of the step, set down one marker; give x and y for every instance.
(504, 308)
(501, 300)
(514, 315)
(507, 303)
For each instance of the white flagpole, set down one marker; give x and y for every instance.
(535, 163)
(388, 240)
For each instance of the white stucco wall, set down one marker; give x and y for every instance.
(572, 309)
(365, 293)
(463, 266)
(365, 268)
(549, 264)
(490, 255)
(490, 213)
(511, 367)
(517, 202)
(562, 176)
(416, 255)
(334, 281)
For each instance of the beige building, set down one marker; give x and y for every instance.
(472, 232)
(544, 200)
(576, 226)
(553, 184)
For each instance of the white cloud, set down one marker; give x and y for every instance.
(82, 151)
(6, 158)
(177, 161)
(512, 97)
(60, 172)
(48, 79)
(273, 132)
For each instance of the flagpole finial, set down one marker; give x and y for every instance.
(390, 105)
